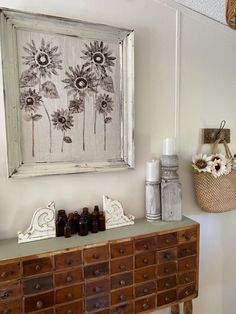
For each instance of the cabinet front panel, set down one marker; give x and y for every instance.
(187, 291)
(147, 244)
(188, 263)
(96, 270)
(142, 275)
(39, 302)
(120, 281)
(96, 287)
(168, 255)
(37, 285)
(68, 294)
(11, 307)
(145, 259)
(71, 308)
(121, 265)
(10, 290)
(145, 304)
(167, 240)
(166, 297)
(68, 277)
(166, 269)
(69, 259)
(97, 304)
(188, 249)
(187, 235)
(166, 283)
(9, 271)
(121, 249)
(145, 289)
(187, 277)
(98, 254)
(123, 308)
(37, 266)
(121, 295)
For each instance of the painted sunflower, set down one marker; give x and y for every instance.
(30, 100)
(45, 59)
(77, 105)
(104, 104)
(62, 120)
(202, 163)
(99, 55)
(219, 168)
(80, 80)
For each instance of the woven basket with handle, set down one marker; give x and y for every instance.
(216, 195)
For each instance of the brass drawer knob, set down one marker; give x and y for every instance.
(37, 286)
(167, 284)
(122, 297)
(187, 236)
(37, 267)
(168, 241)
(145, 290)
(146, 306)
(187, 265)
(122, 282)
(122, 251)
(97, 272)
(145, 261)
(167, 256)
(69, 312)
(145, 276)
(167, 299)
(187, 251)
(97, 305)
(122, 266)
(166, 270)
(39, 304)
(4, 274)
(6, 311)
(145, 246)
(69, 296)
(187, 292)
(69, 278)
(96, 256)
(187, 279)
(69, 261)
(5, 294)
(97, 289)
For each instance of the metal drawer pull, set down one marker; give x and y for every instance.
(69, 296)
(122, 282)
(187, 292)
(187, 265)
(167, 299)
(5, 294)
(37, 267)
(122, 266)
(145, 246)
(37, 286)
(167, 256)
(186, 279)
(167, 284)
(145, 290)
(69, 278)
(97, 289)
(39, 304)
(6, 311)
(167, 241)
(122, 251)
(96, 256)
(187, 251)
(146, 306)
(69, 312)
(4, 274)
(69, 261)
(187, 236)
(145, 276)
(145, 261)
(166, 270)
(97, 305)
(123, 297)
(97, 272)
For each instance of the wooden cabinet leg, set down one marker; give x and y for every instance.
(188, 307)
(175, 309)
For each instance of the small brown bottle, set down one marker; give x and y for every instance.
(85, 213)
(67, 230)
(94, 224)
(76, 221)
(72, 223)
(102, 221)
(83, 226)
(61, 222)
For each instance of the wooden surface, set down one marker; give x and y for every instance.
(10, 249)
(188, 307)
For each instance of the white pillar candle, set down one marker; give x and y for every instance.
(169, 146)
(152, 170)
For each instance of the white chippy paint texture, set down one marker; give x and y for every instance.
(214, 9)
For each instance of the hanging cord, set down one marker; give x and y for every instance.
(231, 13)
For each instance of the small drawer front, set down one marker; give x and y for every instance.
(166, 297)
(188, 249)
(166, 269)
(37, 266)
(166, 240)
(120, 281)
(166, 283)
(39, 302)
(68, 277)
(97, 304)
(93, 255)
(68, 294)
(69, 259)
(9, 271)
(95, 271)
(145, 289)
(123, 309)
(147, 244)
(168, 255)
(142, 275)
(187, 235)
(145, 259)
(121, 295)
(122, 264)
(37, 285)
(97, 287)
(145, 304)
(10, 291)
(106, 311)
(11, 307)
(121, 249)
(188, 263)
(187, 291)
(188, 277)
(48, 311)
(71, 308)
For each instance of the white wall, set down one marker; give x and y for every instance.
(205, 97)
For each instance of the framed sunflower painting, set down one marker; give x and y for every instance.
(69, 95)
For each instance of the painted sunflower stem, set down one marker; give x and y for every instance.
(62, 143)
(33, 154)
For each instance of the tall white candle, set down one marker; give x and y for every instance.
(169, 146)
(152, 170)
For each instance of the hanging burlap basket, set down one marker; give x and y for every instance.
(231, 13)
(216, 195)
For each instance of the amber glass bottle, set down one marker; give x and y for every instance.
(72, 223)
(61, 222)
(83, 226)
(102, 221)
(67, 230)
(94, 224)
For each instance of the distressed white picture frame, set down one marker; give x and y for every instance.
(17, 21)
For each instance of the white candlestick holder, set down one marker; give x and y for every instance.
(152, 200)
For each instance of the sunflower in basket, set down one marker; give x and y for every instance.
(201, 163)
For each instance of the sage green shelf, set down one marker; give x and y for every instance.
(10, 249)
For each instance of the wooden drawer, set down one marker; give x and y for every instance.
(188, 263)
(11, 307)
(96, 254)
(37, 266)
(123, 280)
(121, 249)
(9, 271)
(48, 311)
(99, 286)
(145, 304)
(97, 303)
(187, 249)
(10, 290)
(187, 235)
(106, 311)
(68, 277)
(121, 295)
(39, 302)
(69, 294)
(166, 255)
(145, 259)
(69, 259)
(70, 308)
(142, 275)
(187, 277)
(145, 289)
(166, 283)
(166, 269)
(166, 297)
(166, 240)
(121, 265)
(37, 285)
(127, 308)
(96, 270)
(187, 291)
(146, 244)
